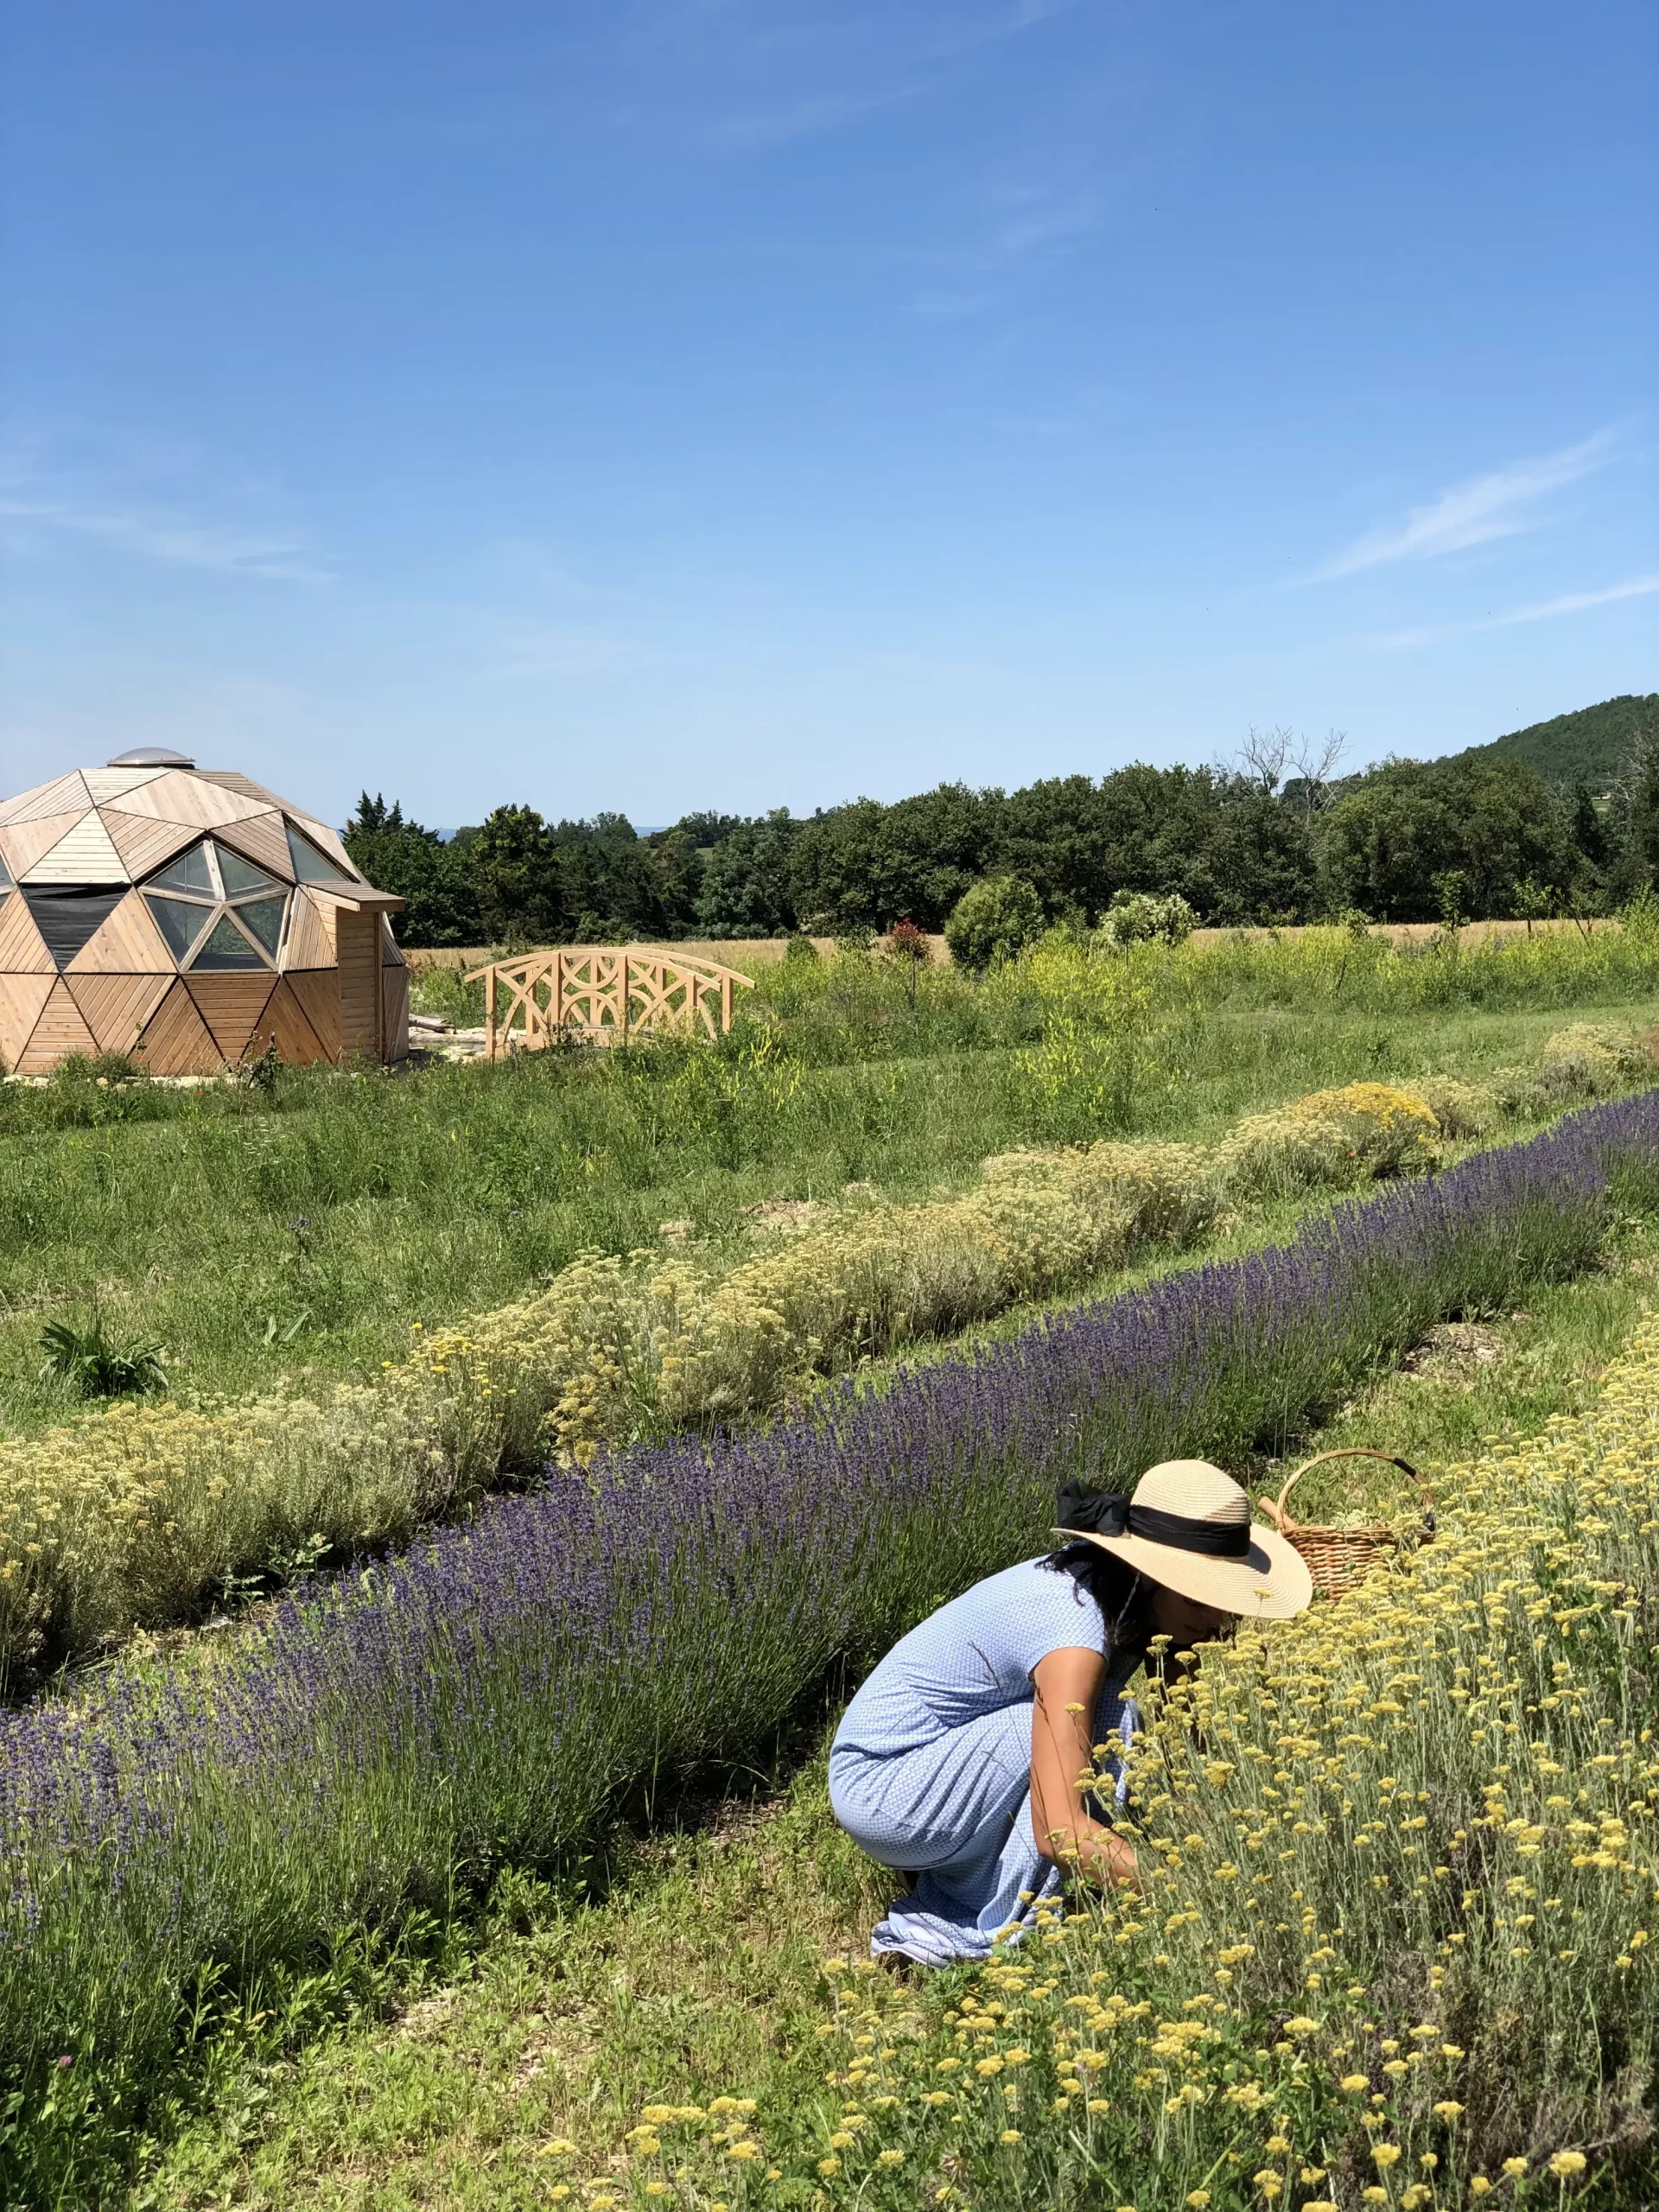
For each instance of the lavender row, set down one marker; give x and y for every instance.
(486, 1695)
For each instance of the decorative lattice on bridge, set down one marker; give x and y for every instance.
(602, 995)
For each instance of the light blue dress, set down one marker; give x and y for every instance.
(931, 1768)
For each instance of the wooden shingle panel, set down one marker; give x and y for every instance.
(176, 1040)
(63, 795)
(310, 934)
(180, 797)
(21, 1001)
(127, 942)
(228, 779)
(106, 783)
(316, 992)
(260, 839)
(143, 842)
(22, 843)
(115, 1007)
(61, 1030)
(357, 938)
(84, 856)
(22, 949)
(231, 1006)
(394, 1012)
(284, 1022)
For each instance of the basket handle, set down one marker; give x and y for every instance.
(1274, 1508)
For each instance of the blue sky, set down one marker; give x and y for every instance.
(737, 402)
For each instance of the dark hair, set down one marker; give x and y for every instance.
(1123, 1597)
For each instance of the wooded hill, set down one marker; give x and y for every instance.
(1593, 746)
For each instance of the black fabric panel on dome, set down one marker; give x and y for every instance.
(69, 913)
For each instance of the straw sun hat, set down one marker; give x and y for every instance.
(1188, 1526)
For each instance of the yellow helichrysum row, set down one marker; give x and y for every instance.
(124, 1516)
(1400, 1888)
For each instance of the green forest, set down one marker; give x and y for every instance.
(1561, 818)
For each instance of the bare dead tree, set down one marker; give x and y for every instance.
(1262, 756)
(1315, 760)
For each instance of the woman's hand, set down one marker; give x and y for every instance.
(1068, 1685)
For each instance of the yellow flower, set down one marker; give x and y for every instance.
(1099, 2105)
(1275, 2146)
(1448, 2109)
(1197, 2198)
(1514, 2166)
(556, 2146)
(1566, 2163)
(1269, 2182)
(827, 2166)
(744, 2151)
(1385, 2154)
(890, 2158)
(1355, 2082)
(988, 2067)
(841, 2140)
(1010, 2135)
(1480, 2186)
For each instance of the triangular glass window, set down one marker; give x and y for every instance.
(5, 877)
(189, 873)
(242, 879)
(311, 865)
(264, 918)
(181, 924)
(226, 947)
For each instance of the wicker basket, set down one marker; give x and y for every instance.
(1339, 1558)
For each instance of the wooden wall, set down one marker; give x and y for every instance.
(357, 940)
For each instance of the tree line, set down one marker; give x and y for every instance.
(1472, 837)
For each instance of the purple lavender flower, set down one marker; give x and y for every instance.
(488, 1693)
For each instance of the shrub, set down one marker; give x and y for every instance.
(1141, 918)
(994, 920)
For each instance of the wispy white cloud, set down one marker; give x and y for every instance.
(157, 534)
(801, 69)
(1574, 602)
(1498, 505)
(1547, 610)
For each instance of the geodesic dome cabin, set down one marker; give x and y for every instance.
(188, 917)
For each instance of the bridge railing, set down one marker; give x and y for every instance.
(602, 995)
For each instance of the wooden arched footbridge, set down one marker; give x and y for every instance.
(602, 995)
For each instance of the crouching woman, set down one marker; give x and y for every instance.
(965, 1759)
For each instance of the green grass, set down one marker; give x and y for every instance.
(259, 1240)
(688, 1963)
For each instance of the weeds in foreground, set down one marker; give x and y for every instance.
(94, 1365)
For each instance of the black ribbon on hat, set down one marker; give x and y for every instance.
(1108, 1513)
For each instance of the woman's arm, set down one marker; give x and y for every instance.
(1068, 1685)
